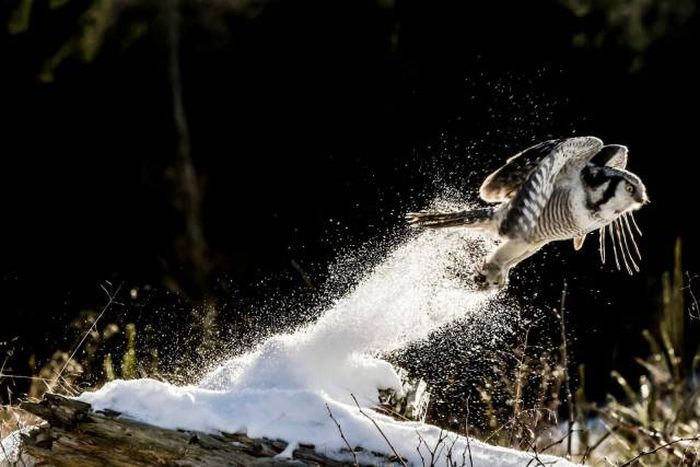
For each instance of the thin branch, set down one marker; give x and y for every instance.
(340, 430)
(466, 431)
(514, 419)
(657, 449)
(448, 457)
(560, 440)
(386, 410)
(303, 274)
(92, 327)
(694, 308)
(4, 362)
(565, 362)
(590, 449)
(535, 456)
(435, 454)
(420, 441)
(399, 458)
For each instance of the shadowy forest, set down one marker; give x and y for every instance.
(182, 172)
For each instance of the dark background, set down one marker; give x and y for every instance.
(314, 126)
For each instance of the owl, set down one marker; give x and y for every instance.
(560, 189)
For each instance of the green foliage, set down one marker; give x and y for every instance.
(633, 25)
(93, 24)
(19, 20)
(55, 4)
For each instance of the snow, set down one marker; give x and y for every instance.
(284, 388)
(9, 447)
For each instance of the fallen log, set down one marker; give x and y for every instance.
(73, 434)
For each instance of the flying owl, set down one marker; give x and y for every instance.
(556, 190)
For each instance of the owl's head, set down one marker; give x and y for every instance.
(612, 192)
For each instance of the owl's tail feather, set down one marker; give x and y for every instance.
(473, 218)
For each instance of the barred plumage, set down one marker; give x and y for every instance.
(556, 190)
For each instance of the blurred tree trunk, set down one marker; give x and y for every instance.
(190, 246)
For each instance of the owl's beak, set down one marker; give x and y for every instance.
(642, 199)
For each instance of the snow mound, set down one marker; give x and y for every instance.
(285, 387)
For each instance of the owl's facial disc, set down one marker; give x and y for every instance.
(627, 196)
(613, 192)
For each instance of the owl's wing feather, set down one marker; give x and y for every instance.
(504, 183)
(612, 155)
(564, 161)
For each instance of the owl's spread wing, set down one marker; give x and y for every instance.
(612, 155)
(504, 183)
(565, 159)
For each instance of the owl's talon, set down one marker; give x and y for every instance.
(480, 281)
(490, 277)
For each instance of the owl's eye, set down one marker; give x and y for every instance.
(629, 188)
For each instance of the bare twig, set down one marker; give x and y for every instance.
(659, 448)
(515, 419)
(92, 327)
(420, 441)
(535, 455)
(590, 449)
(4, 362)
(560, 440)
(448, 457)
(565, 364)
(386, 410)
(519, 379)
(303, 274)
(439, 444)
(342, 435)
(652, 435)
(376, 425)
(694, 307)
(466, 433)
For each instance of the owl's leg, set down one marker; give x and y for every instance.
(494, 272)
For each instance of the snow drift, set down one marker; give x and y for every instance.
(285, 387)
